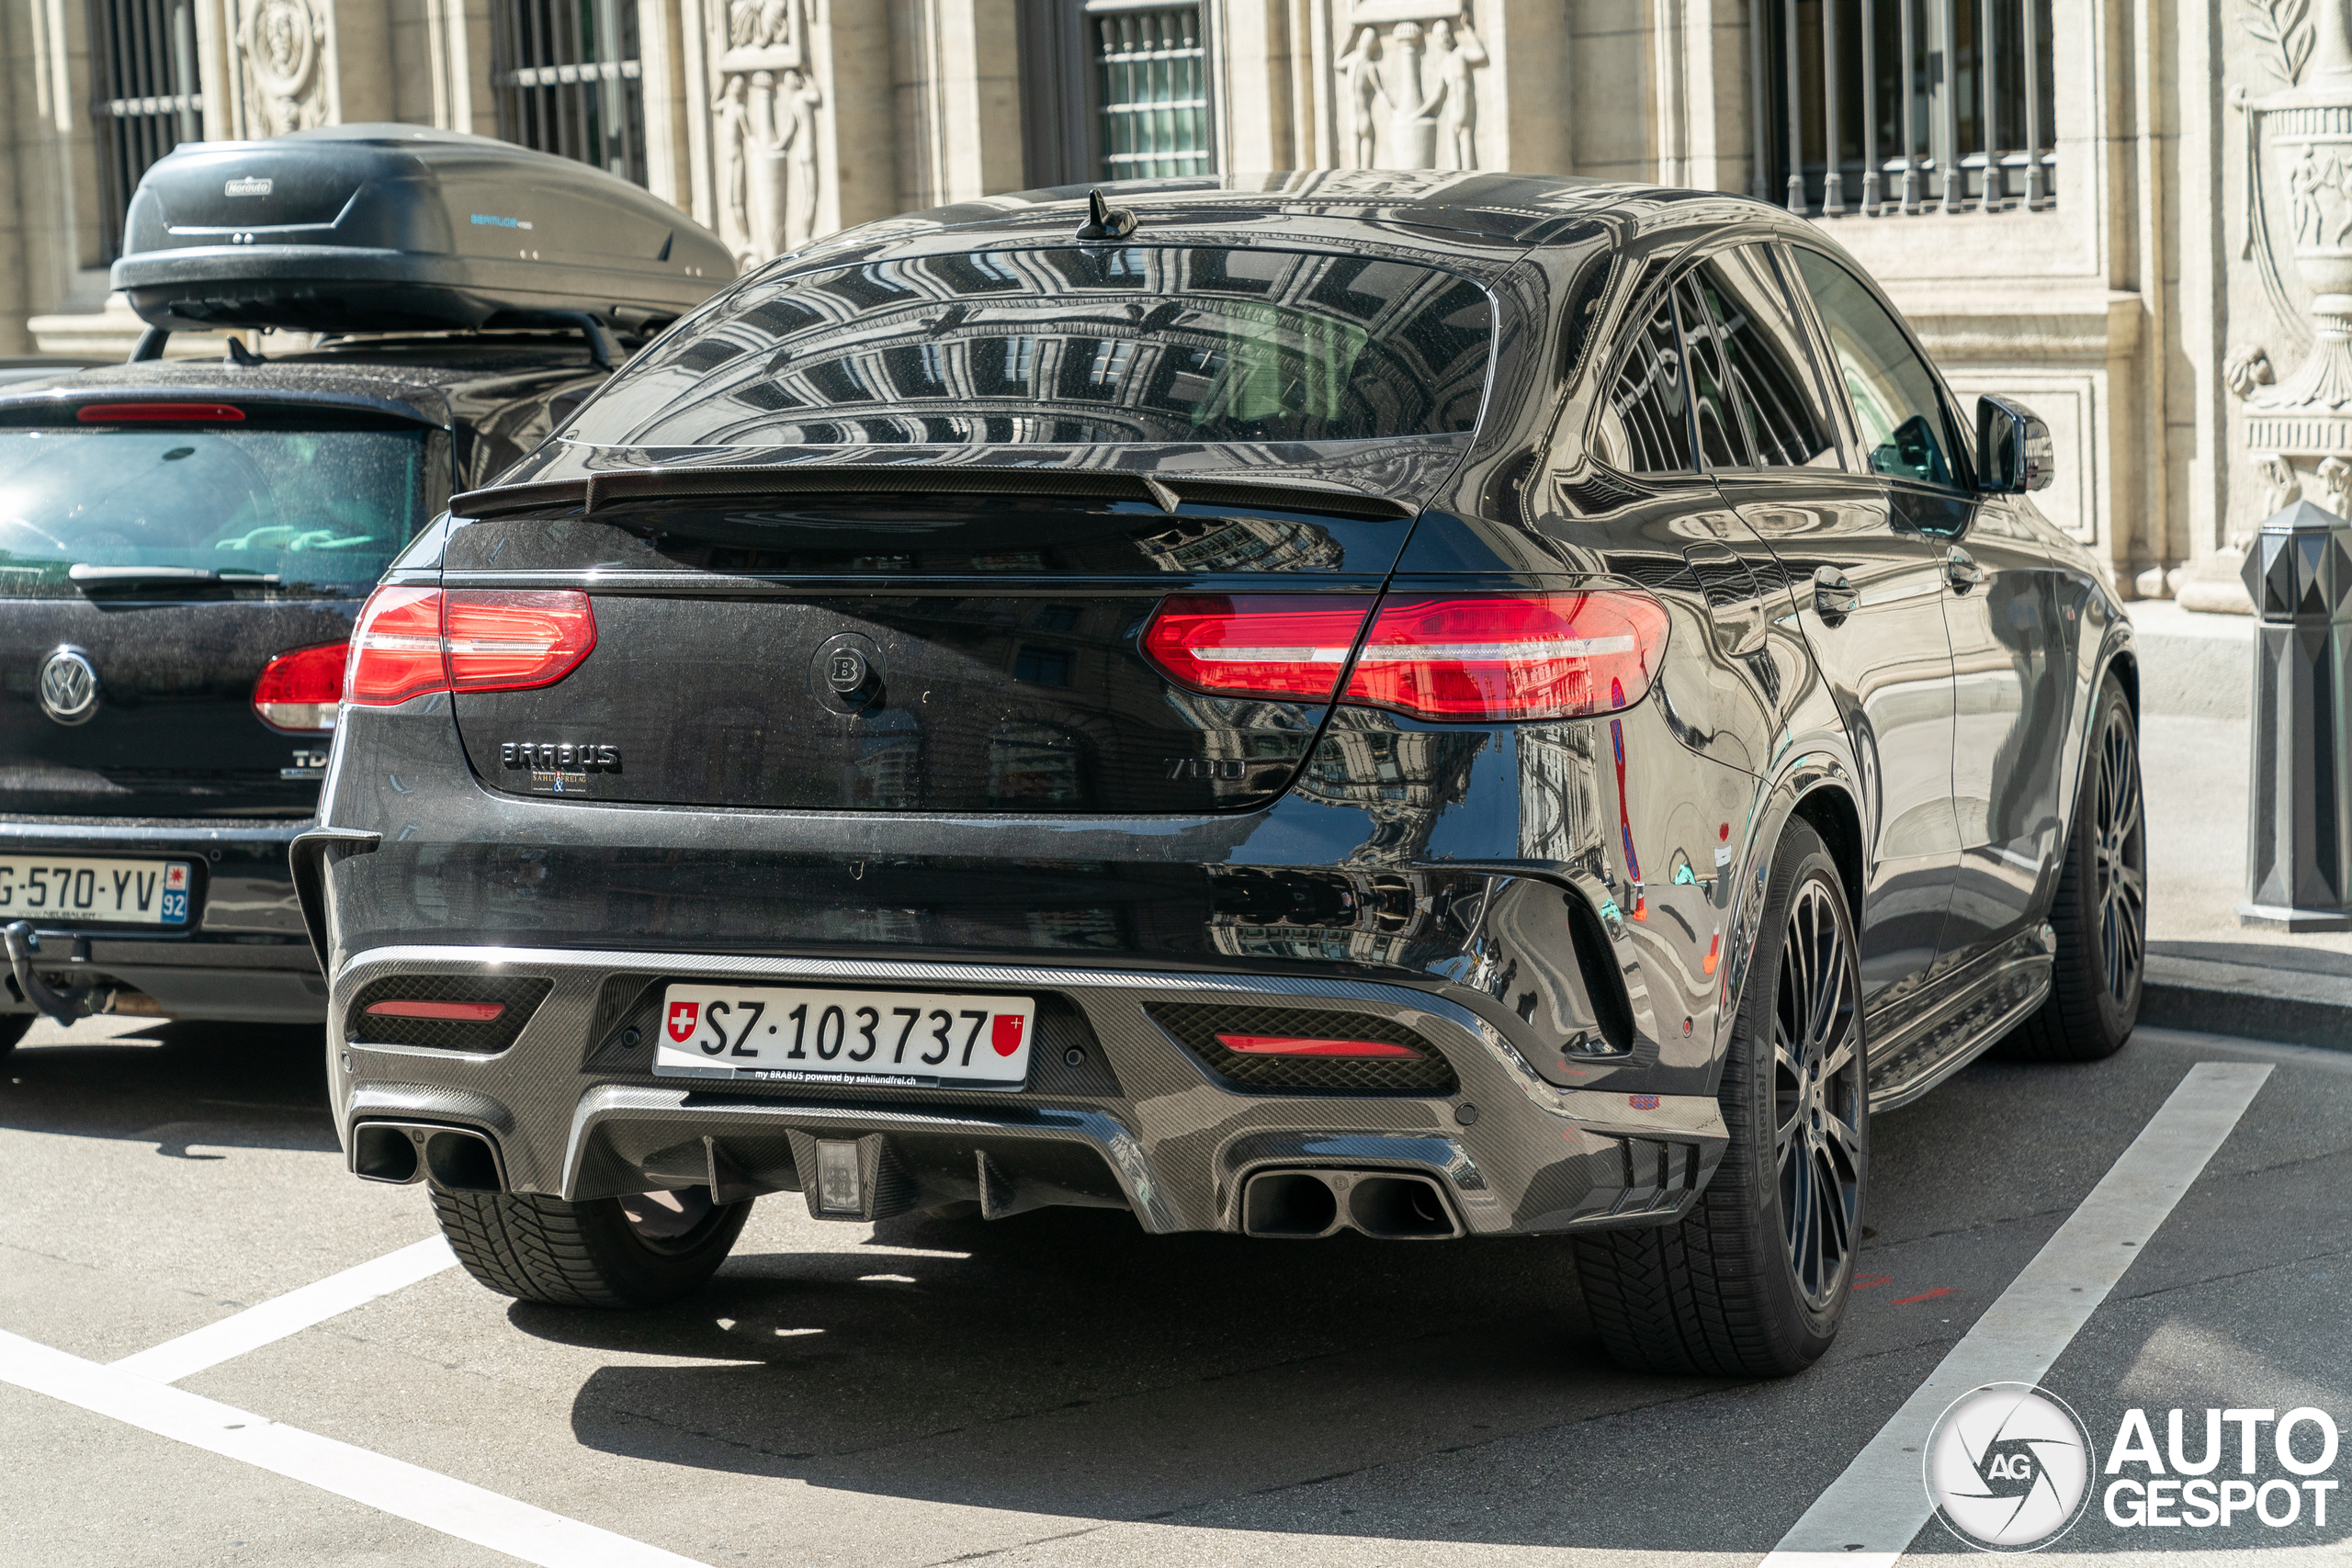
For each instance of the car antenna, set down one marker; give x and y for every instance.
(1105, 222)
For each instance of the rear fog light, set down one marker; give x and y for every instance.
(298, 691)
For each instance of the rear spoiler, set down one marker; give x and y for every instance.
(1166, 492)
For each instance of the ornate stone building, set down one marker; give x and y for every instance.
(2136, 215)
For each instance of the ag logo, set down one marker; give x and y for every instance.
(2008, 1467)
(684, 1016)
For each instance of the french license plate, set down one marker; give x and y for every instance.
(916, 1038)
(110, 892)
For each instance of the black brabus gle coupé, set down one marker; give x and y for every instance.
(1441, 705)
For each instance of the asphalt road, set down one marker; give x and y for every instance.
(1060, 1389)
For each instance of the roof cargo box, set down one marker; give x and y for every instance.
(393, 228)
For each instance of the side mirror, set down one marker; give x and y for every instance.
(2013, 445)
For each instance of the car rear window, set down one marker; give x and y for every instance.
(1086, 344)
(312, 510)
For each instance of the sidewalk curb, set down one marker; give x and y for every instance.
(2290, 1021)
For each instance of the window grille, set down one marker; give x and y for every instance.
(1152, 103)
(1881, 106)
(143, 64)
(568, 81)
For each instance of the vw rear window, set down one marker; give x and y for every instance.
(1078, 346)
(281, 510)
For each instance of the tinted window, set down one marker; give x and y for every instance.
(1644, 426)
(1723, 429)
(1085, 344)
(324, 510)
(1897, 406)
(1764, 366)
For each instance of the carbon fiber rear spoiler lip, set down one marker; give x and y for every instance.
(600, 491)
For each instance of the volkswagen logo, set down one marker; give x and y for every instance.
(69, 686)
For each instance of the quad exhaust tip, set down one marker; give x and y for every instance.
(1307, 1205)
(456, 1159)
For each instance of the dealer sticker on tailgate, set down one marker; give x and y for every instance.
(919, 1039)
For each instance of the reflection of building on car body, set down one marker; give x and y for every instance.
(183, 545)
(1164, 702)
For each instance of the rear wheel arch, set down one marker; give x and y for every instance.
(1831, 812)
(2125, 667)
(1815, 789)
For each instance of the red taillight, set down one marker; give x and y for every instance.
(160, 414)
(448, 1012)
(512, 642)
(1444, 656)
(1269, 645)
(1522, 656)
(413, 640)
(1289, 1046)
(298, 691)
(396, 647)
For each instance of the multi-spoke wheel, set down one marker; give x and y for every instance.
(2100, 913)
(1818, 1102)
(1753, 1280)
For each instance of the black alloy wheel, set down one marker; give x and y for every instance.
(1753, 1279)
(1819, 1100)
(2119, 858)
(2100, 913)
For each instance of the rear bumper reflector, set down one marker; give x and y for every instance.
(1288, 1045)
(452, 1012)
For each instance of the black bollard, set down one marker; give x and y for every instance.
(2299, 844)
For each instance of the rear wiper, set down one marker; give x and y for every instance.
(105, 579)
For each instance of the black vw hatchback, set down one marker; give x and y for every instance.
(184, 545)
(1439, 705)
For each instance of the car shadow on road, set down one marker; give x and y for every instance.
(1065, 1363)
(176, 1084)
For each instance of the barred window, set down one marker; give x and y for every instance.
(569, 80)
(1154, 101)
(142, 64)
(1886, 107)
(1115, 90)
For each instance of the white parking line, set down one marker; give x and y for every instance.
(1870, 1514)
(403, 1490)
(290, 1314)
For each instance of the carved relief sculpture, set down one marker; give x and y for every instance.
(278, 45)
(1419, 60)
(2299, 233)
(764, 130)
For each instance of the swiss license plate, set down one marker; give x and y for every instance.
(788, 1034)
(40, 887)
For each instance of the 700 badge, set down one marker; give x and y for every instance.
(909, 1037)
